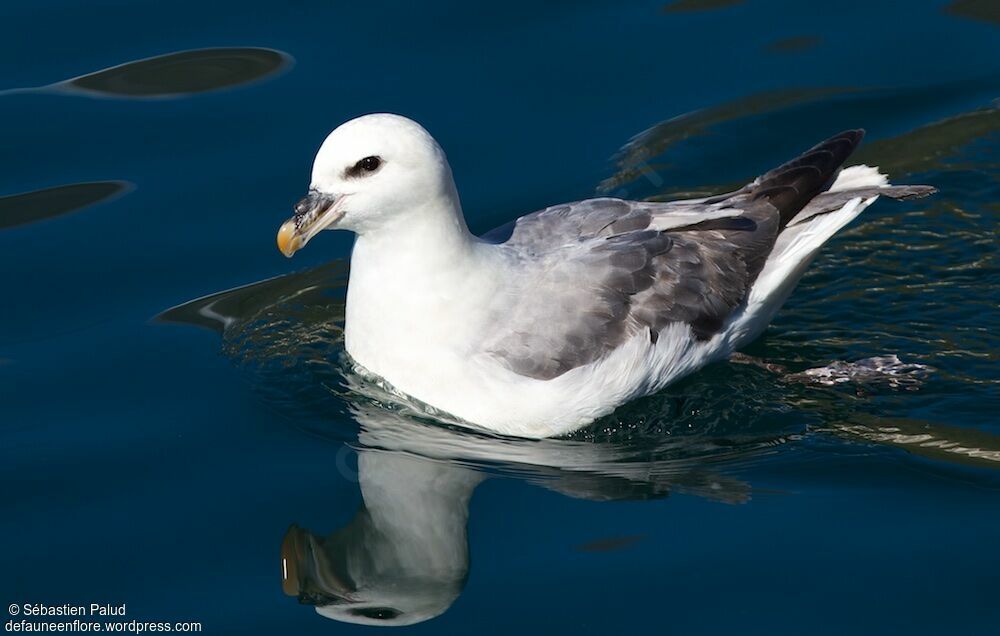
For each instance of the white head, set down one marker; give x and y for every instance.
(371, 172)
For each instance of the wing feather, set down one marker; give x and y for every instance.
(595, 273)
(594, 276)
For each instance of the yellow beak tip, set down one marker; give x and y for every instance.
(289, 240)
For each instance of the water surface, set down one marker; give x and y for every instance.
(181, 431)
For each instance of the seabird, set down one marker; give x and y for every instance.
(540, 327)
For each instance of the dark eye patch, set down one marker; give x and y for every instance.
(364, 167)
(377, 613)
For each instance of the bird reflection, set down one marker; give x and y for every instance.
(404, 557)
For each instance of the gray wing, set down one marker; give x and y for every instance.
(598, 272)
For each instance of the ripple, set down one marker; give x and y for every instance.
(632, 160)
(794, 44)
(953, 444)
(983, 10)
(886, 370)
(691, 6)
(175, 74)
(647, 164)
(610, 544)
(925, 148)
(30, 207)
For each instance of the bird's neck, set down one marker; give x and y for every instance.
(428, 236)
(410, 287)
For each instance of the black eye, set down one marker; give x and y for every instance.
(364, 167)
(378, 613)
(370, 164)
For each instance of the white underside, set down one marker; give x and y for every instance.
(427, 350)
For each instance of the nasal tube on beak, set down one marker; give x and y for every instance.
(296, 231)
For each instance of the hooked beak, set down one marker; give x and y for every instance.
(308, 572)
(317, 211)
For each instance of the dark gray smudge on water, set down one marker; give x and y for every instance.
(29, 207)
(174, 74)
(690, 6)
(984, 10)
(183, 73)
(794, 44)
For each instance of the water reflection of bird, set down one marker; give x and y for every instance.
(404, 557)
(539, 329)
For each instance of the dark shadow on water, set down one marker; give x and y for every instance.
(244, 304)
(30, 207)
(982, 10)
(692, 6)
(926, 147)
(794, 44)
(610, 544)
(175, 74)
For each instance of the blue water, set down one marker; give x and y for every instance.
(173, 455)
